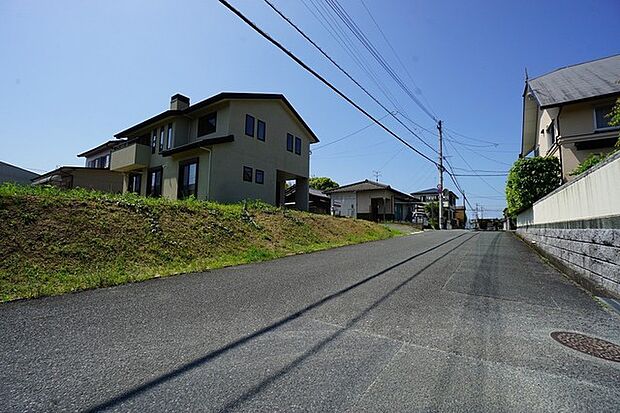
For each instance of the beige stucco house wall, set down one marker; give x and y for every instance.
(560, 129)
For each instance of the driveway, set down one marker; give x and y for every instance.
(438, 321)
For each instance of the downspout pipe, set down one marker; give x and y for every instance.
(557, 122)
(210, 169)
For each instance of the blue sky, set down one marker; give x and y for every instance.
(74, 73)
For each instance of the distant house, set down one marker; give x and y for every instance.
(565, 112)
(449, 204)
(460, 217)
(372, 201)
(318, 202)
(95, 174)
(12, 173)
(229, 147)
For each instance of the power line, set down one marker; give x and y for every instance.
(479, 175)
(331, 86)
(483, 156)
(322, 79)
(480, 170)
(397, 56)
(349, 22)
(392, 158)
(347, 135)
(467, 163)
(347, 44)
(327, 56)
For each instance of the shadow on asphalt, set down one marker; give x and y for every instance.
(244, 340)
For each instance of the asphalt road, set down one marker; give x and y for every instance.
(438, 321)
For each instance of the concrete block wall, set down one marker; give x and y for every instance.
(578, 226)
(591, 255)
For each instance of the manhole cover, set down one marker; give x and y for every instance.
(588, 345)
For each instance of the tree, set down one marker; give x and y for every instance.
(432, 211)
(529, 180)
(322, 183)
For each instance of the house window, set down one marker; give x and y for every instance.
(297, 145)
(101, 162)
(289, 142)
(153, 184)
(260, 177)
(161, 139)
(207, 124)
(169, 141)
(188, 178)
(260, 130)
(551, 132)
(154, 141)
(247, 174)
(135, 180)
(601, 117)
(249, 125)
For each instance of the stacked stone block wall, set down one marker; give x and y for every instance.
(590, 254)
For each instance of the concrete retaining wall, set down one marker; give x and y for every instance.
(578, 227)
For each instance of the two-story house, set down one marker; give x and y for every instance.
(449, 204)
(229, 147)
(95, 174)
(565, 112)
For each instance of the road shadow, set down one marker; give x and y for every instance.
(246, 339)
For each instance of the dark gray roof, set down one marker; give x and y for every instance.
(12, 173)
(366, 185)
(105, 145)
(578, 82)
(214, 99)
(317, 193)
(314, 192)
(426, 191)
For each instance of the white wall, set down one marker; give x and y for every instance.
(594, 194)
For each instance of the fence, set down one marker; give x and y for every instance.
(578, 226)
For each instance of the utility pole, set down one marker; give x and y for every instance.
(377, 174)
(440, 186)
(464, 210)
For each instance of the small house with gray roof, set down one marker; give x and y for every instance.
(372, 201)
(565, 112)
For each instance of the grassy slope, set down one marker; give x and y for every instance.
(53, 241)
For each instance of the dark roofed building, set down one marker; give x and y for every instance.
(318, 202)
(449, 208)
(95, 174)
(12, 173)
(371, 201)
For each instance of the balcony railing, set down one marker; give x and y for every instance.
(130, 157)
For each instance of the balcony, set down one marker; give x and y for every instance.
(130, 157)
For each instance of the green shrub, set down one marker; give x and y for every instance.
(588, 163)
(529, 180)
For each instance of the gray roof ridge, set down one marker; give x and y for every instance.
(573, 65)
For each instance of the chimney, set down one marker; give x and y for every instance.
(179, 102)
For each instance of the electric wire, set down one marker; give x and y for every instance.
(322, 79)
(342, 70)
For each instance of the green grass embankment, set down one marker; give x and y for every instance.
(54, 241)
